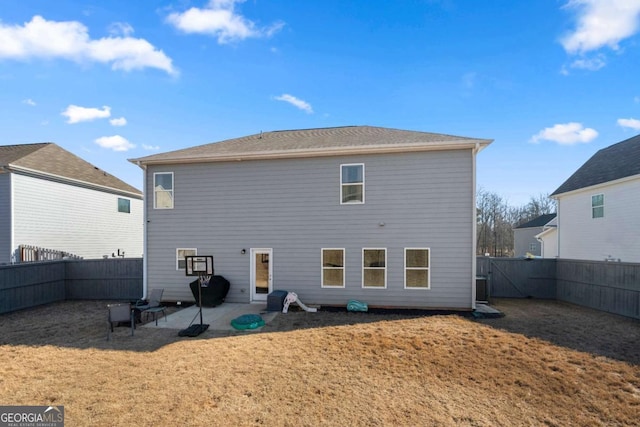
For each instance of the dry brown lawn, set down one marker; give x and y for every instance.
(544, 363)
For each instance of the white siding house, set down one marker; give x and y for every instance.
(53, 199)
(599, 205)
(548, 239)
(380, 215)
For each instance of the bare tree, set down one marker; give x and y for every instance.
(496, 220)
(538, 205)
(493, 227)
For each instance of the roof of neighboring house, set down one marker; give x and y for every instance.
(49, 159)
(617, 161)
(540, 221)
(315, 142)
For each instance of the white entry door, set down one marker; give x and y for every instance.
(261, 274)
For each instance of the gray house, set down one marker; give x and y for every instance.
(53, 199)
(524, 236)
(380, 215)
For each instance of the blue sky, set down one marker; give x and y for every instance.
(550, 81)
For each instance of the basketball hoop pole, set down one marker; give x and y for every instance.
(201, 266)
(201, 280)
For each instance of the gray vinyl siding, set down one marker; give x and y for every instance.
(73, 219)
(523, 238)
(293, 207)
(5, 218)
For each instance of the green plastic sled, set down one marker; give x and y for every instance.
(248, 321)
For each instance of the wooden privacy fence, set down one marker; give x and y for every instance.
(608, 286)
(33, 253)
(30, 284)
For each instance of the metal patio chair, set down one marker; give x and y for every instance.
(153, 305)
(119, 313)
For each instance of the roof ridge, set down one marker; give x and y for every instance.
(303, 129)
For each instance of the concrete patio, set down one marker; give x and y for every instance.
(218, 318)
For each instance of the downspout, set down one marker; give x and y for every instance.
(145, 249)
(557, 228)
(541, 246)
(12, 248)
(474, 220)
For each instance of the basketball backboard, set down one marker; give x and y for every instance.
(199, 265)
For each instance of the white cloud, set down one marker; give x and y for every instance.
(592, 64)
(601, 23)
(298, 103)
(636, 99)
(77, 114)
(220, 19)
(566, 134)
(70, 40)
(629, 123)
(115, 143)
(120, 121)
(29, 102)
(121, 29)
(151, 147)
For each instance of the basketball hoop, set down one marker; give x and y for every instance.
(201, 266)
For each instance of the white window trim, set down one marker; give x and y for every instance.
(195, 252)
(342, 184)
(343, 268)
(417, 268)
(173, 189)
(598, 206)
(375, 268)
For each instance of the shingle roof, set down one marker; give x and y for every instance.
(50, 159)
(314, 142)
(609, 164)
(540, 221)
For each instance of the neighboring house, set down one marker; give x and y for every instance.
(524, 236)
(548, 239)
(380, 215)
(53, 199)
(599, 206)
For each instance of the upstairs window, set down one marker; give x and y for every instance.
(416, 268)
(333, 268)
(163, 190)
(124, 205)
(352, 184)
(374, 268)
(597, 206)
